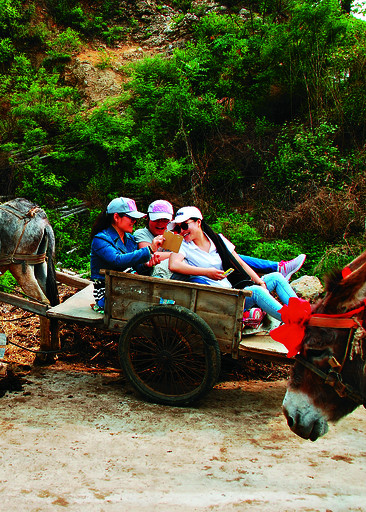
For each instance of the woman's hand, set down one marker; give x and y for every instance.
(154, 260)
(157, 243)
(214, 273)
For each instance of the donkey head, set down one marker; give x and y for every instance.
(328, 381)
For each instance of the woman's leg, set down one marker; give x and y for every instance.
(263, 299)
(286, 268)
(275, 282)
(259, 265)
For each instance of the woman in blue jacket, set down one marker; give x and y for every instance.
(114, 247)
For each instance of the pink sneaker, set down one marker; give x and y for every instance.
(253, 318)
(287, 268)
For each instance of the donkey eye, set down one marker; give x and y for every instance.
(314, 354)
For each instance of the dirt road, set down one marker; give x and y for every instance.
(80, 441)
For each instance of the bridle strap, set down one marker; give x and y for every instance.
(334, 376)
(331, 321)
(334, 379)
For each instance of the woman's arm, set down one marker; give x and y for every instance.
(110, 254)
(177, 264)
(163, 255)
(251, 273)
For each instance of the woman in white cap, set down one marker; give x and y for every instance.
(204, 256)
(114, 247)
(160, 212)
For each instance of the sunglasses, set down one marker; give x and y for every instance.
(184, 225)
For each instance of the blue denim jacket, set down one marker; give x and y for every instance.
(109, 252)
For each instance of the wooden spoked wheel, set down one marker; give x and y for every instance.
(170, 355)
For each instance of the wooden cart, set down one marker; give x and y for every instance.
(172, 332)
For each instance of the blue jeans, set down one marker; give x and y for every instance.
(198, 280)
(262, 297)
(259, 265)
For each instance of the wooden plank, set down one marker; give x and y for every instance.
(77, 308)
(170, 283)
(131, 296)
(220, 308)
(263, 347)
(193, 302)
(23, 303)
(108, 300)
(239, 329)
(70, 280)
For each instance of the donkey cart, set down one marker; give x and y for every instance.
(172, 333)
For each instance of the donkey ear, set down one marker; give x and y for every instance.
(354, 265)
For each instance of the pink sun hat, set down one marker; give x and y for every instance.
(160, 209)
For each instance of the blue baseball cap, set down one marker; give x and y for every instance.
(125, 205)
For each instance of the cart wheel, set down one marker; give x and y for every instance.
(170, 355)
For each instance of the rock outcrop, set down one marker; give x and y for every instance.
(308, 287)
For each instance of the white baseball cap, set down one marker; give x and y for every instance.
(185, 213)
(160, 209)
(125, 205)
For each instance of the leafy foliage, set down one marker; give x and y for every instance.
(64, 45)
(72, 233)
(263, 110)
(237, 228)
(306, 160)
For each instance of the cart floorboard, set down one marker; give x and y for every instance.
(77, 309)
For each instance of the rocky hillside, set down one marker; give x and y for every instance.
(98, 70)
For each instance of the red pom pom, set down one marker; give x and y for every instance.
(346, 272)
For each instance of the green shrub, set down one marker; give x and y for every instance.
(7, 282)
(45, 104)
(306, 159)
(105, 60)
(64, 45)
(183, 5)
(10, 17)
(112, 35)
(214, 24)
(277, 250)
(35, 137)
(159, 175)
(20, 75)
(7, 50)
(72, 234)
(37, 183)
(237, 229)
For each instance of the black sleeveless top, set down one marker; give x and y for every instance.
(239, 278)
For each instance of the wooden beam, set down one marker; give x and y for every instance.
(26, 304)
(70, 280)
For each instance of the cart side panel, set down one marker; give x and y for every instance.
(130, 296)
(222, 314)
(221, 308)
